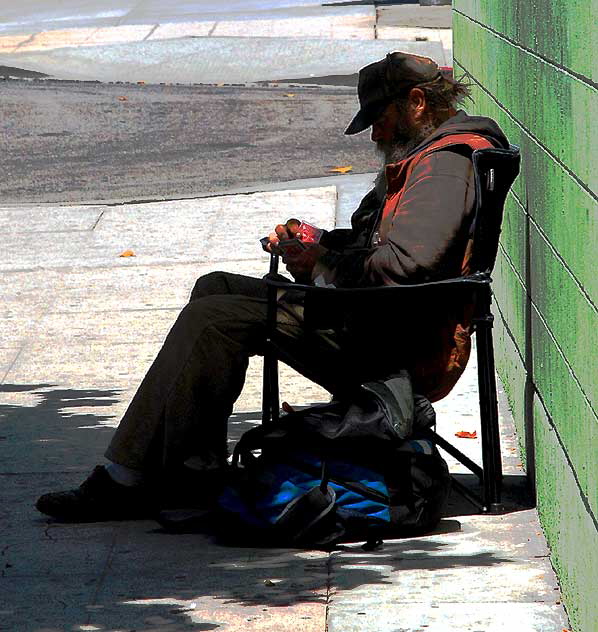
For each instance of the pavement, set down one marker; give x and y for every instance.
(162, 45)
(80, 324)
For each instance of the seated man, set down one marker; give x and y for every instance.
(413, 226)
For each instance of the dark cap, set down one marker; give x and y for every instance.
(385, 80)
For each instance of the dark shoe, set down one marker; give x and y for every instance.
(185, 488)
(193, 520)
(99, 498)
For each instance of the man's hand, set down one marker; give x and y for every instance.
(299, 264)
(302, 265)
(282, 232)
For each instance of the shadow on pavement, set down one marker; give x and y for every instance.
(516, 495)
(47, 429)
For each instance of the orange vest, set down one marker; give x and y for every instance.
(438, 365)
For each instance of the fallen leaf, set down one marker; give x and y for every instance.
(123, 98)
(341, 169)
(290, 95)
(127, 253)
(463, 434)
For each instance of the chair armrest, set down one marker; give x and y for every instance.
(472, 281)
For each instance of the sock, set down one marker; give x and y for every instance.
(124, 475)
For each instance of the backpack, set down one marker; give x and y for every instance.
(350, 470)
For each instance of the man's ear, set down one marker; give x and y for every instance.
(417, 103)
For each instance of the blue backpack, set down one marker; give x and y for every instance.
(343, 471)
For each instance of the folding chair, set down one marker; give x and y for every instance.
(494, 172)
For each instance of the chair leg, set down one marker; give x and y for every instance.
(270, 395)
(491, 455)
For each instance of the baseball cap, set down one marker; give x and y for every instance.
(384, 80)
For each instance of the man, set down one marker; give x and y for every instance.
(413, 226)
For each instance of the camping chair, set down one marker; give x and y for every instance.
(494, 172)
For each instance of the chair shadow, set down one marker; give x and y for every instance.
(516, 495)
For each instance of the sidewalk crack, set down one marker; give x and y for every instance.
(95, 224)
(328, 590)
(152, 31)
(104, 573)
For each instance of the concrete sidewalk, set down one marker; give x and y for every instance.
(311, 41)
(80, 325)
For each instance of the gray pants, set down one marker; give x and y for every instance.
(182, 406)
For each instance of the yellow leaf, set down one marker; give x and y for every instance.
(289, 94)
(341, 169)
(127, 253)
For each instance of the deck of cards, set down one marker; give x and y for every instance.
(306, 236)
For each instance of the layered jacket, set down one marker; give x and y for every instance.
(420, 232)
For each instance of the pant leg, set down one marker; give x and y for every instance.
(186, 397)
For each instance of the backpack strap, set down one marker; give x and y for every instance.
(252, 439)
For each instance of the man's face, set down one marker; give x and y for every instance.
(394, 131)
(383, 130)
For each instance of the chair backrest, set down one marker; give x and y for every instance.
(494, 171)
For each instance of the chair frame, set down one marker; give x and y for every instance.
(485, 238)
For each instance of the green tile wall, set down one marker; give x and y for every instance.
(533, 70)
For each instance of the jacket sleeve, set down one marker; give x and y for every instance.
(428, 230)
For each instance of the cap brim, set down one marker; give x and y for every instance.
(365, 118)
(358, 124)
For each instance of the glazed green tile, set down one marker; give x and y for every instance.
(573, 416)
(571, 318)
(514, 234)
(510, 295)
(569, 524)
(511, 370)
(562, 31)
(566, 213)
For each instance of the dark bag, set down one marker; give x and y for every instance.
(344, 471)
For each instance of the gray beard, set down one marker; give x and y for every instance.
(395, 152)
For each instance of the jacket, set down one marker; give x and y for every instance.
(420, 232)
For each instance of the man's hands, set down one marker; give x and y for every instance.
(282, 232)
(299, 265)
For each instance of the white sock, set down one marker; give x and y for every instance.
(124, 475)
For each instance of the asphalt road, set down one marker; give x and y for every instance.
(69, 142)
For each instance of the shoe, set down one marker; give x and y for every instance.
(185, 488)
(99, 498)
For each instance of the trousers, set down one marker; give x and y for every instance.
(182, 406)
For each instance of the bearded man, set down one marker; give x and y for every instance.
(413, 226)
